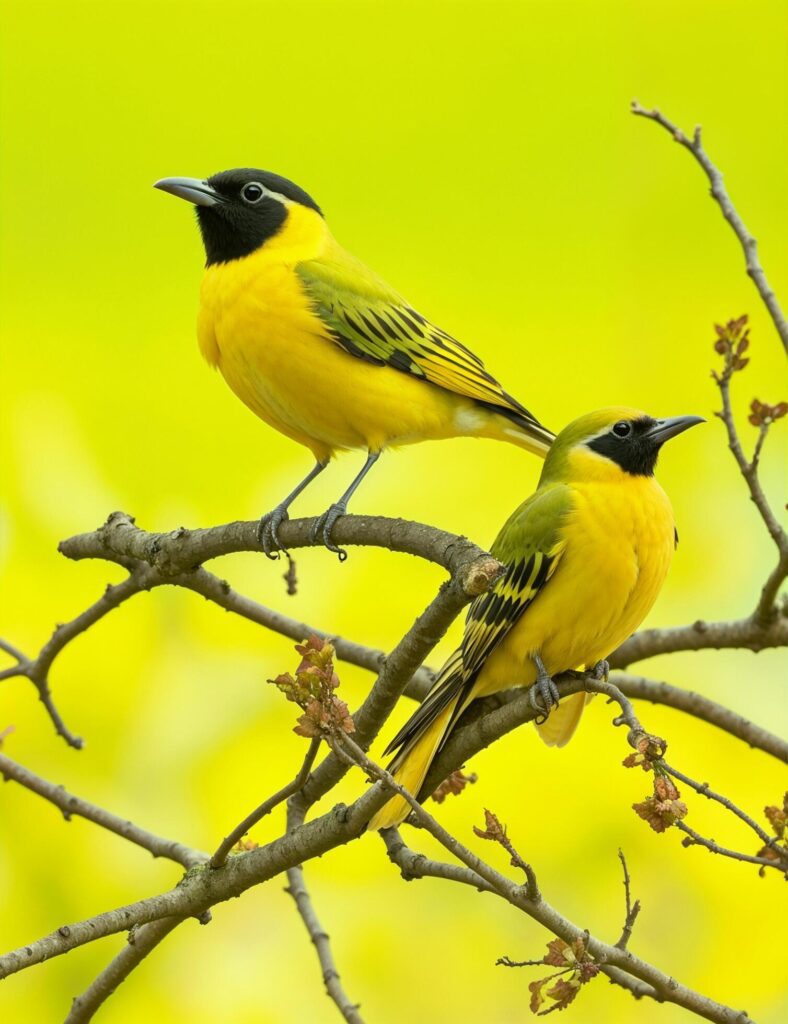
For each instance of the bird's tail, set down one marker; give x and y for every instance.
(410, 768)
(420, 739)
(559, 727)
(518, 426)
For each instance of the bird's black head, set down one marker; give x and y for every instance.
(238, 211)
(633, 442)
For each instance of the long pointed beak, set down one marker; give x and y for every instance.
(191, 189)
(663, 430)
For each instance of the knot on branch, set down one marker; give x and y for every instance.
(480, 575)
(649, 748)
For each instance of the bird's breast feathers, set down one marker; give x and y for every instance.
(617, 545)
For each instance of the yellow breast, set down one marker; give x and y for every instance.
(619, 541)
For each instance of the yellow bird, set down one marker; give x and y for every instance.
(586, 556)
(320, 347)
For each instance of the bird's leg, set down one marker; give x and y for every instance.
(270, 523)
(325, 523)
(545, 688)
(601, 670)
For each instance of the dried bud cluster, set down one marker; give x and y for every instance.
(648, 749)
(778, 819)
(454, 785)
(494, 830)
(663, 808)
(763, 415)
(732, 342)
(312, 689)
(576, 969)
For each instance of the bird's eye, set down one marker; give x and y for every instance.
(252, 192)
(622, 428)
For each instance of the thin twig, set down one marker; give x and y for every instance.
(297, 889)
(695, 839)
(765, 612)
(720, 194)
(296, 812)
(704, 789)
(251, 819)
(632, 909)
(37, 669)
(704, 709)
(72, 805)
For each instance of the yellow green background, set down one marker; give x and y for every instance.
(482, 158)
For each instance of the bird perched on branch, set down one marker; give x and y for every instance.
(320, 347)
(585, 558)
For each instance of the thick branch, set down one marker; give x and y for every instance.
(202, 887)
(399, 668)
(748, 634)
(720, 194)
(72, 805)
(183, 550)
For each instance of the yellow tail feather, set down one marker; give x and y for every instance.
(412, 772)
(562, 721)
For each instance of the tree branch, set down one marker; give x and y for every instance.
(609, 956)
(703, 708)
(140, 943)
(266, 806)
(320, 940)
(37, 669)
(632, 909)
(720, 194)
(72, 805)
(765, 612)
(183, 550)
(748, 634)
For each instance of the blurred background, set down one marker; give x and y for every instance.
(482, 158)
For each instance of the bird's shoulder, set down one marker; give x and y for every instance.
(536, 526)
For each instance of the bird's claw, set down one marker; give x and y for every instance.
(543, 688)
(325, 524)
(601, 671)
(267, 532)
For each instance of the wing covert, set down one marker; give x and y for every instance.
(372, 322)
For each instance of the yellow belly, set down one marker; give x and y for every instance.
(619, 545)
(256, 326)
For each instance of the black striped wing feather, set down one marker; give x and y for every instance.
(490, 618)
(371, 322)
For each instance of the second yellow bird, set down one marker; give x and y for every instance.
(585, 558)
(320, 347)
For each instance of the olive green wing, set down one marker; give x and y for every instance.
(370, 321)
(530, 546)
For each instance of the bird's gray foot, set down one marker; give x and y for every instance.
(601, 670)
(267, 531)
(325, 524)
(543, 695)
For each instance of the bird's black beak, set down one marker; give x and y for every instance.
(663, 430)
(191, 189)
